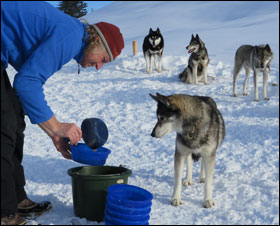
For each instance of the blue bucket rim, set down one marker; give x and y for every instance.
(121, 193)
(83, 148)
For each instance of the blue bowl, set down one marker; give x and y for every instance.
(111, 220)
(127, 216)
(83, 154)
(129, 195)
(128, 210)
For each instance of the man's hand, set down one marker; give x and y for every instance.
(59, 131)
(70, 130)
(62, 146)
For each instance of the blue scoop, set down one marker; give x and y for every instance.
(83, 154)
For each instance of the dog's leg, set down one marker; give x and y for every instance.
(155, 62)
(247, 73)
(184, 75)
(195, 74)
(265, 77)
(147, 62)
(202, 172)
(150, 64)
(188, 179)
(209, 163)
(256, 85)
(159, 62)
(205, 68)
(178, 169)
(236, 71)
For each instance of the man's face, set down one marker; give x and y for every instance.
(95, 59)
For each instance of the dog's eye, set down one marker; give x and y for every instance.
(161, 118)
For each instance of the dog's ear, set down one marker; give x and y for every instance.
(163, 99)
(158, 31)
(200, 41)
(192, 36)
(154, 97)
(267, 47)
(257, 49)
(151, 30)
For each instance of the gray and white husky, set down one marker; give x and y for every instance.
(256, 58)
(153, 48)
(200, 131)
(198, 62)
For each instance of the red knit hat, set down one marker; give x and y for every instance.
(111, 38)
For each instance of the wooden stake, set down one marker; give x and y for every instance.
(134, 47)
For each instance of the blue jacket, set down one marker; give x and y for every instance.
(37, 40)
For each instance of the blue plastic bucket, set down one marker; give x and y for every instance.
(127, 205)
(128, 210)
(117, 221)
(129, 195)
(127, 216)
(83, 154)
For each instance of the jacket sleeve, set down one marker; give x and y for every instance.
(54, 51)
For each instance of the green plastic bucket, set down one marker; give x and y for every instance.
(89, 188)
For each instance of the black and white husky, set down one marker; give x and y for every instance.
(152, 48)
(200, 130)
(198, 62)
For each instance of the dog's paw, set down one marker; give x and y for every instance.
(202, 180)
(257, 100)
(208, 203)
(266, 98)
(149, 71)
(187, 182)
(235, 95)
(176, 202)
(245, 94)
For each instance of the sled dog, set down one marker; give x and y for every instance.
(200, 131)
(152, 48)
(256, 58)
(198, 62)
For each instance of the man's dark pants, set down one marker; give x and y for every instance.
(12, 139)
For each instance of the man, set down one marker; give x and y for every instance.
(37, 40)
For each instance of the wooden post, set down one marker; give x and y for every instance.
(134, 47)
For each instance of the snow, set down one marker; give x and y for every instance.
(246, 178)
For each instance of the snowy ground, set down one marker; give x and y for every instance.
(246, 179)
